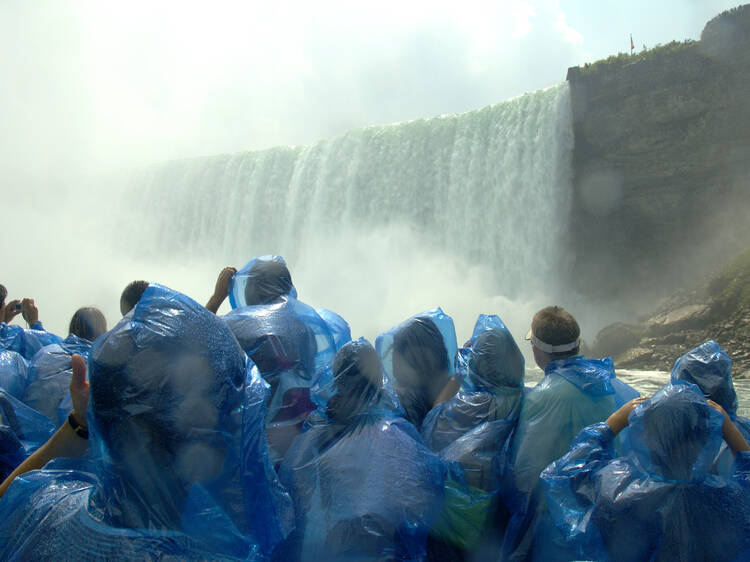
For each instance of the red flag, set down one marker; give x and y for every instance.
(632, 47)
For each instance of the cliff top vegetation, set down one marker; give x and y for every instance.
(727, 27)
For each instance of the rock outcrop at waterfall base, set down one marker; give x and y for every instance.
(718, 310)
(661, 164)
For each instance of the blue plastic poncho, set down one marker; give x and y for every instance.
(472, 429)
(13, 373)
(50, 371)
(659, 502)
(22, 431)
(292, 349)
(338, 326)
(262, 280)
(710, 368)
(180, 466)
(574, 393)
(23, 341)
(364, 485)
(418, 356)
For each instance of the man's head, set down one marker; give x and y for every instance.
(554, 335)
(131, 295)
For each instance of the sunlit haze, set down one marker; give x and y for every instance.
(91, 91)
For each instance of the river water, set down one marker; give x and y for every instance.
(648, 382)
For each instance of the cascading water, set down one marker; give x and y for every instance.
(476, 202)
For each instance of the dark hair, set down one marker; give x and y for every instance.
(88, 323)
(496, 359)
(131, 295)
(3, 294)
(556, 326)
(675, 431)
(268, 280)
(421, 344)
(357, 372)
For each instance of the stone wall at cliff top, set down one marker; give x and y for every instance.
(662, 164)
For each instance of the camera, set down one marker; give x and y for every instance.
(17, 307)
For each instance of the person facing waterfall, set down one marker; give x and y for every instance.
(25, 342)
(575, 392)
(291, 345)
(659, 502)
(418, 356)
(472, 429)
(710, 368)
(178, 468)
(364, 485)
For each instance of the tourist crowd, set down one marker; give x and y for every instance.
(269, 434)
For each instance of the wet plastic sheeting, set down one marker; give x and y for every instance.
(50, 371)
(338, 326)
(13, 373)
(659, 502)
(364, 485)
(574, 393)
(22, 431)
(472, 428)
(293, 349)
(710, 368)
(418, 356)
(25, 342)
(179, 459)
(262, 280)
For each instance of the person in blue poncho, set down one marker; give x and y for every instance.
(472, 429)
(659, 502)
(50, 369)
(364, 485)
(179, 465)
(418, 356)
(290, 344)
(26, 342)
(574, 393)
(22, 431)
(337, 325)
(710, 368)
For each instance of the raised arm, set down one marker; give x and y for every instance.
(731, 434)
(221, 290)
(66, 442)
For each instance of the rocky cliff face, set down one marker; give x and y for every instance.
(662, 164)
(718, 310)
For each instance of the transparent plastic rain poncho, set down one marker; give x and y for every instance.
(364, 485)
(14, 373)
(262, 280)
(338, 326)
(22, 431)
(179, 463)
(659, 502)
(418, 356)
(50, 371)
(472, 428)
(710, 368)
(291, 346)
(24, 342)
(574, 393)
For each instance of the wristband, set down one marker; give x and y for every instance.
(80, 431)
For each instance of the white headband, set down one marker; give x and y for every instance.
(547, 348)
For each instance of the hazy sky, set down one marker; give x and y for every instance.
(91, 86)
(86, 83)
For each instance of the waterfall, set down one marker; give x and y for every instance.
(489, 188)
